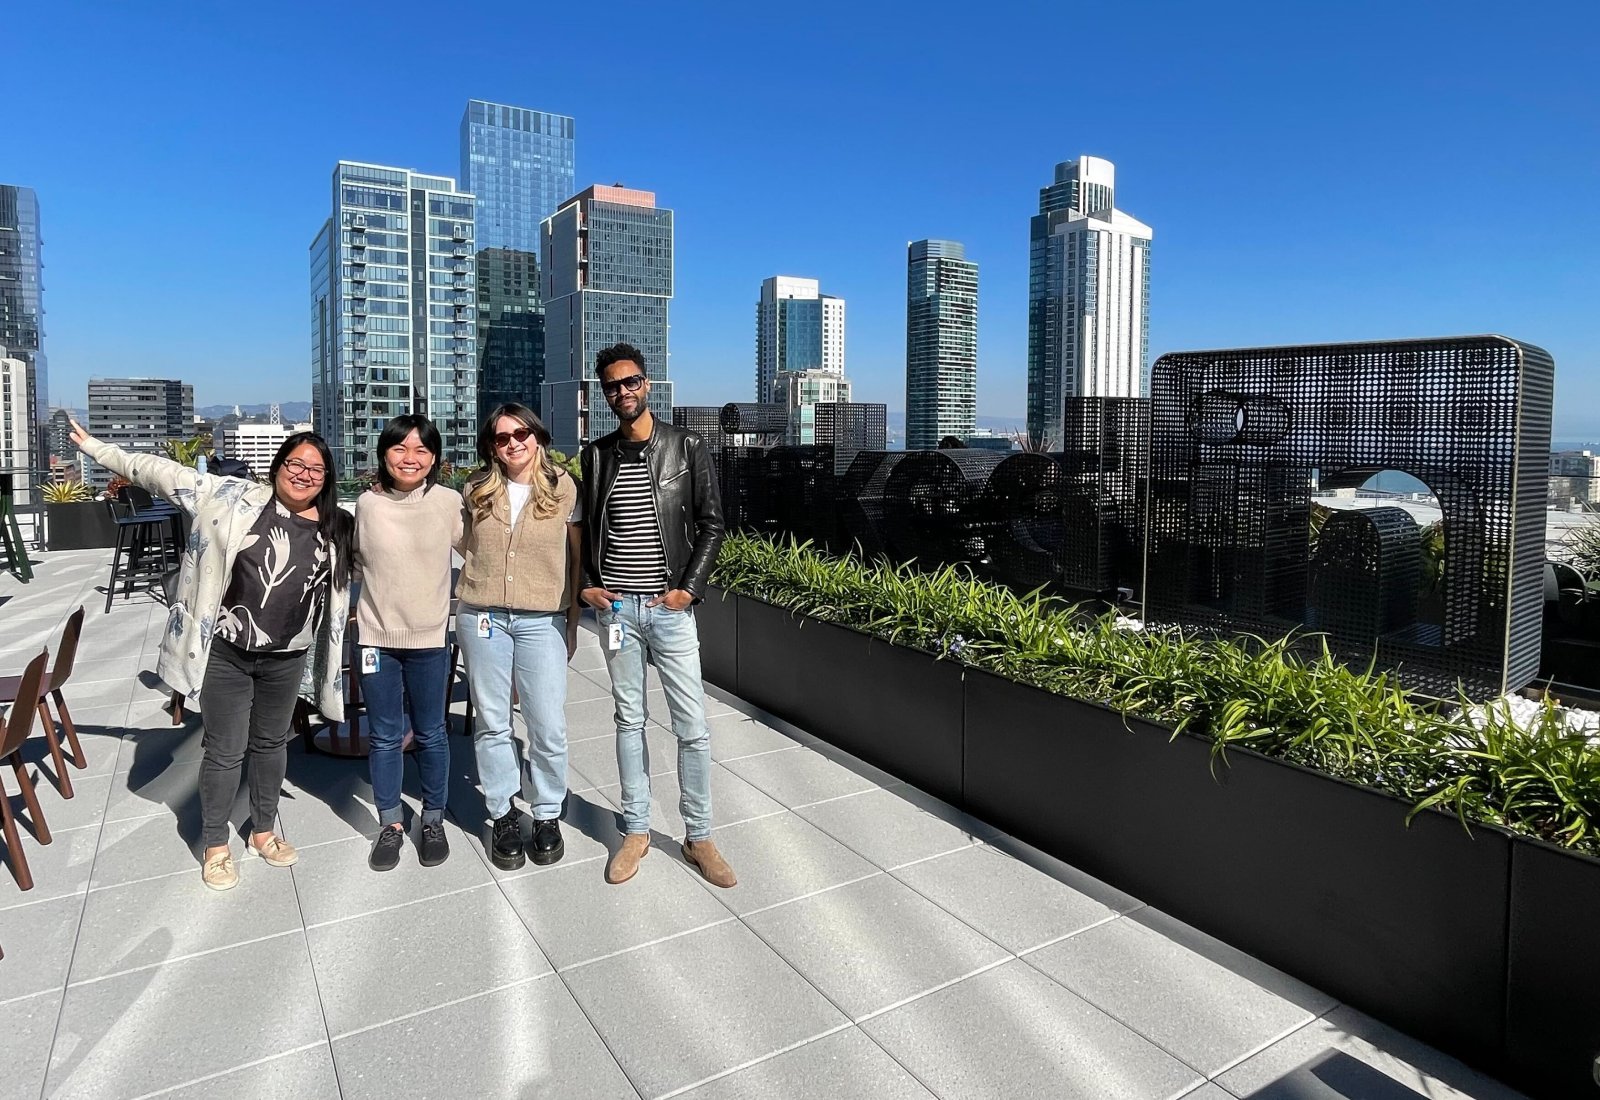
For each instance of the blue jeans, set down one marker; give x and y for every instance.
(422, 673)
(530, 647)
(667, 639)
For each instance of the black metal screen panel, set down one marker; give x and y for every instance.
(705, 421)
(1240, 436)
(802, 493)
(935, 507)
(746, 489)
(850, 428)
(861, 496)
(768, 420)
(1366, 569)
(1105, 457)
(1028, 498)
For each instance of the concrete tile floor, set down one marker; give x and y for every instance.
(879, 944)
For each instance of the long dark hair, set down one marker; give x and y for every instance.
(489, 483)
(395, 433)
(333, 523)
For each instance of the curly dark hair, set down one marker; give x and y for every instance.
(617, 353)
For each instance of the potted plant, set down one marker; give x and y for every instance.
(75, 520)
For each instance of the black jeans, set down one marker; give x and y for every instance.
(247, 703)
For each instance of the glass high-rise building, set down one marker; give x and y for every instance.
(510, 330)
(22, 315)
(798, 328)
(941, 343)
(1088, 297)
(518, 165)
(607, 279)
(394, 313)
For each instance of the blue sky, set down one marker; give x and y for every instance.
(1313, 172)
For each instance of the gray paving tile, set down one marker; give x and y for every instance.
(781, 858)
(30, 1026)
(885, 828)
(734, 999)
(843, 1066)
(93, 694)
(1008, 901)
(118, 668)
(583, 689)
(661, 900)
(136, 1033)
(146, 847)
(873, 943)
(101, 746)
(732, 800)
(334, 880)
(159, 919)
(1012, 1032)
(1344, 1036)
(588, 658)
(160, 746)
(734, 735)
(87, 806)
(798, 777)
(373, 968)
(140, 793)
(1208, 1091)
(596, 758)
(592, 719)
(528, 1042)
(329, 799)
(59, 868)
(1199, 1011)
(303, 1075)
(37, 940)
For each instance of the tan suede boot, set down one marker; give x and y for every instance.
(625, 864)
(704, 855)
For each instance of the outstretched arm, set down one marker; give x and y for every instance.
(172, 481)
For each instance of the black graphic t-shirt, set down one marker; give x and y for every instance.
(280, 578)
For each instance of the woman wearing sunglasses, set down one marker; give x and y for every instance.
(405, 530)
(518, 624)
(263, 592)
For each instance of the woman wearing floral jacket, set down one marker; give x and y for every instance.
(259, 616)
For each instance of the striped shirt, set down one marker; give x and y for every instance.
(634, 559)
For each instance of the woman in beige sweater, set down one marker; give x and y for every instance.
(518, 621)
(404, 534)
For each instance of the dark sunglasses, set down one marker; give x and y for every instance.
(521, 435)
(617, 385)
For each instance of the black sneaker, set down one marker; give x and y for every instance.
(505, 847)
(547, 844)
(435, 848)
(386, 849)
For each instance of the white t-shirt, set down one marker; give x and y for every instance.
(519, 495)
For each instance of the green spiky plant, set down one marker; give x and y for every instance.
(67, 492)
(1268, 696)
(186, 452)
(1582, 545)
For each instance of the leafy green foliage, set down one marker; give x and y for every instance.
(67, 492)
(571, 465)
(1582, 545)
(187, 452)
(1269, 696)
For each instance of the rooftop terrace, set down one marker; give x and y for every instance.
(880, 943)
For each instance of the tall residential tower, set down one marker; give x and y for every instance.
(22, 317)
(138, 415)
(607, 279)
(941, 343)
(797, 329)
(1088, 297)
(394, 313)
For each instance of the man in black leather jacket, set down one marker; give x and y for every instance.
(652, 526)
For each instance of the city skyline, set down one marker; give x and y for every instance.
(1407, 260)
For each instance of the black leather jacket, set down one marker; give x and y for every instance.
(688, 506)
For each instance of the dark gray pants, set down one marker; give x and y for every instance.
(247, 704)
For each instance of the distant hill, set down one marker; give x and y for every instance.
(292, 411)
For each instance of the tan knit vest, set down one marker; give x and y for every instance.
(521, 569)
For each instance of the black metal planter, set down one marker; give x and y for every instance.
(716, 616)
(80, 525)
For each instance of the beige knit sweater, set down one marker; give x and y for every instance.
(403, 544)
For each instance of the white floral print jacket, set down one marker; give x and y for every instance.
(222, 511)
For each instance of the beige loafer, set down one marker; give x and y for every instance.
(277, 852)
(219, 873)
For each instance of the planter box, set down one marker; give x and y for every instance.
(716, 618)
(897, 708)
(1316, 876)
(1553, 998)
(83, 525)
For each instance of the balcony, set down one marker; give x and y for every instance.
(462, 251)
(463, 300)
(880, 943)
(462, 269)
(461, 232)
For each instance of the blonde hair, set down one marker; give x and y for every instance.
(487, 489)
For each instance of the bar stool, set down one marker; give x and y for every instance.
(141, 552)
(11, 691)
(19, 724)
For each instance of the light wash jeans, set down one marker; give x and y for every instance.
(667, 639)
(531, 647)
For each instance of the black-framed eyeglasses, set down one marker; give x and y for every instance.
(297, 468)
(617, 385)
(503, 439)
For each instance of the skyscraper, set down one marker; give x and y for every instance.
(797, 329)
(394, 313)
(941, 343)
(607, 279)
(510, 330)
(138, 415)
(16, 415)
(518, 165)
(22, 310)
(1088, 296)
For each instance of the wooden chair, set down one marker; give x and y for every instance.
(19, 724)
(11, 690)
